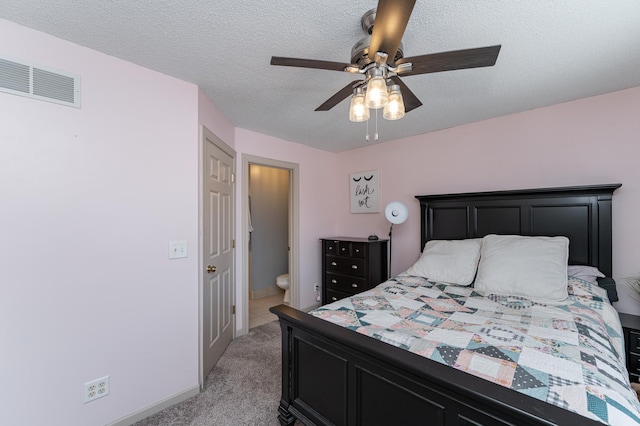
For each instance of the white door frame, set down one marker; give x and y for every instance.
(201, 275)
(294, 227)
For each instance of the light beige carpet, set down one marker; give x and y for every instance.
(242, 389)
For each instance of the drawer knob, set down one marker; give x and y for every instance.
(354, 285)
(334, 298)
(344, 249)
(334, 281)
(333, 263)
(357, 250)
(354, 266)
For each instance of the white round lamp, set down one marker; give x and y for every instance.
(396, 213)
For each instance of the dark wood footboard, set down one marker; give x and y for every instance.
(332, 375)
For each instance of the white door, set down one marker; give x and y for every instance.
(218, 266)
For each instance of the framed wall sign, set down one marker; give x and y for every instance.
(364, 192)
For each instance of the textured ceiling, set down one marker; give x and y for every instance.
(552, 52)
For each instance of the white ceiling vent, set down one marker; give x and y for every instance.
(38, 82)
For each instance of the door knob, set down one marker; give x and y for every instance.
(211, 269)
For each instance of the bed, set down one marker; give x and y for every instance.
(333, 375)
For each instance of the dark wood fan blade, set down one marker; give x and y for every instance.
(391, 20)
(453, 60)
(309, 63)
(411, 101)
(340, 96)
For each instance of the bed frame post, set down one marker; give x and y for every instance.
(284, 415)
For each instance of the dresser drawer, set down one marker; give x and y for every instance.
(633, 363)
(634, 341)
(346, 266)
(358, 249)
(346, 284)
(344, 248)
(331, 248)
(333, 295)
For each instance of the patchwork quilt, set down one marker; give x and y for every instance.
(570, 354)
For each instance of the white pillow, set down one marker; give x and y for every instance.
(586, 273)
(448, 261)
(531, 267)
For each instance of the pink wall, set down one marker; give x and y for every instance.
(589, 141)
(90, 199)
(210, 116)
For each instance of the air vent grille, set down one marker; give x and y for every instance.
(39, 83)
(14, 76)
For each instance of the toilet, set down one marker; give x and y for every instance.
(283, 282)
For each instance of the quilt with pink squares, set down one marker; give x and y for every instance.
(570, 354)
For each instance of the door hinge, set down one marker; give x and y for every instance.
(233, 309)
(233, 243)
(233, 177)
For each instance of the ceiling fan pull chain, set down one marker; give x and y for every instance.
(375, 137)
(366, 137)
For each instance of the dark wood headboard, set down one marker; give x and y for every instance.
(580, 213)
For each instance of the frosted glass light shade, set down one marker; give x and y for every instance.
(377, 96)
(358, 111)
(394, 109)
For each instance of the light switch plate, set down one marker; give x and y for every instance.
(177, 249)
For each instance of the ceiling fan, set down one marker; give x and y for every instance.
(380, 59)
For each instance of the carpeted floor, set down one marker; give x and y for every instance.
(242, 389)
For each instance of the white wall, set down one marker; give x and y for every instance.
(589, 141)
(90, 199)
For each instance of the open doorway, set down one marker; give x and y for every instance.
(270, 200)
(268, 241)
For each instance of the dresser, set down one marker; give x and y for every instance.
(631, 328)
(351, 265)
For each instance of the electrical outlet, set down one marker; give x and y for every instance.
(316, 288)
(96, 389)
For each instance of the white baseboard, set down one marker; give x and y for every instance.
(156, 408)
(274, 290)
(310, 308)
(266, 292)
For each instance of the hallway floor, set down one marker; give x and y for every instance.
(259, 310)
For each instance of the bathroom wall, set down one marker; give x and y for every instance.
(269, 241)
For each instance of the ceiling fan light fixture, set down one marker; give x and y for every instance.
(379, 57)
(377, 96)
(394, 109)
(358, 111)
